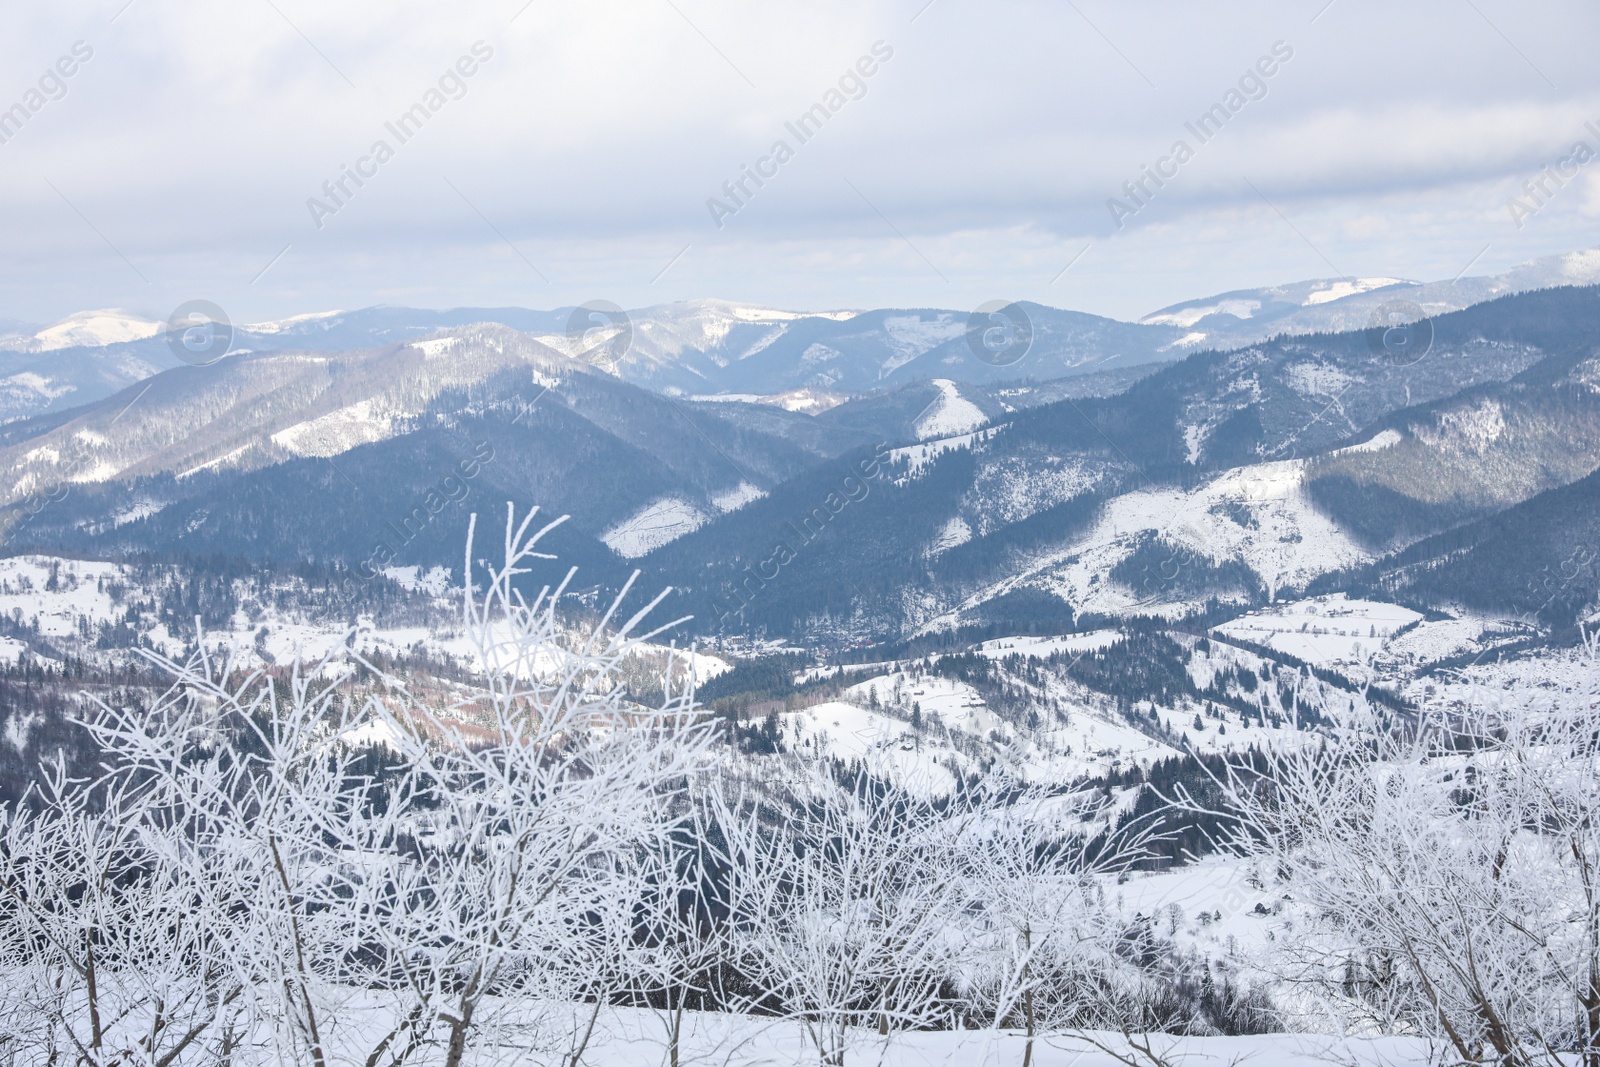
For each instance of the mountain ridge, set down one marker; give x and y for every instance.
(711, 346)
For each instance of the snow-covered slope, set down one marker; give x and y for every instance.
(85, 329)
(1325, 305)
(248, 411)
(949, 414)
(1256, 516)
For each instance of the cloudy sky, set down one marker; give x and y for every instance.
(974, 163)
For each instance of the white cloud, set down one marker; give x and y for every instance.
(592, 139)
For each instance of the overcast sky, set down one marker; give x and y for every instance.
(975, 163)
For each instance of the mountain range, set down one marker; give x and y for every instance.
(922, 491)
(714, 347)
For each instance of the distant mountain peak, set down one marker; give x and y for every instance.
(1242, 317)
(85, 329)
(276, 326)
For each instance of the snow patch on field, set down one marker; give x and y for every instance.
(912, 335)
(950, 413)
(918, 457)
(361, 423)
(1340, 290)
(1217, 905)
(654, 525)
(1042, 647)
(1317, 379)
(33, 383)
(1186, 317)
(140, 510)
(374, 733)
(436, 346)
(954, 532)
(727, 398)
(1434, 640)
(1376, 443)
(853, 734)
(279, 325)
(766, 340)
(957, 705)
(219, 461)
(26, 593)
(435, 582)
(737, 497)
(802, 401)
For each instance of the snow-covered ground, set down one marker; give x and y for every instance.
(1054, 729)
(853, 734)
(919, 456)
(634, 1038)
(638, 1037)
(1329, 631)
(954, 704)
(925, 726)
(657, 523)
(1045, 646)
(950, 413)
(88, 328)
(1218, 905)
(72, 602)
(665, 520)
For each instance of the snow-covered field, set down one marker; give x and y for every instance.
(634, 1038)
(657, 523)
(1045, 646)
(663, 521)
(639, 1037)
(70, 602)
(1329, 631)
(858, 735)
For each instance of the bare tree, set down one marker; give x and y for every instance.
(248, 869)
(688, 941)
(547, 792)
(105, 956)
(1448, 872)
(841, 895)
(253, 799)
(1041, 938)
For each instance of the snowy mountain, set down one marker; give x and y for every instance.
(706, 348)
(933, 506)
(1333, 305)
(703, 348)
(369, 446)
(1235, 476)
(85, 329)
